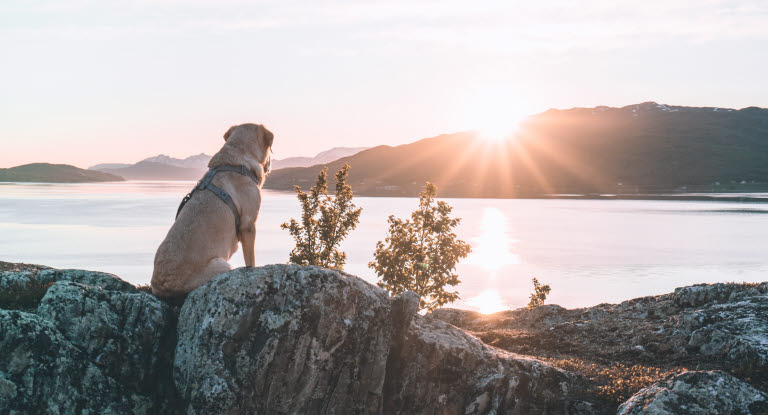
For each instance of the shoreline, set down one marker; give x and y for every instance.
(738, 197)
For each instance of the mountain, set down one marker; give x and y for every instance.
(321, 158)
(149, 170)
(54, 173)
(160, 167)
(109, 166)
(642, 148)
(199, 161)
(163, 167)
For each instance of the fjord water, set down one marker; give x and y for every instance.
(589, 251)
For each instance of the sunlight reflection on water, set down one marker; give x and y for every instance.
(491, 250)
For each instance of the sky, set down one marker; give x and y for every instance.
(85, 82)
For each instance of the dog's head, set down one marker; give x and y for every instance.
(254, 140)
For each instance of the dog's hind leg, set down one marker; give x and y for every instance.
(215, 267)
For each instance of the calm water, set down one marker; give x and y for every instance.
(589, 251)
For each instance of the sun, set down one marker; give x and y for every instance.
(496, 133)
(487, 302)
(493, 112)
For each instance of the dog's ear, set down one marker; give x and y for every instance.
(229, 132)
(268, 137)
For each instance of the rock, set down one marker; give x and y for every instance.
(123, 333)
(700, 294)
(734, 332)
(697, 393)
(283, 339)
(10, 279)
(100, 279)
(444, 370)
(457, 317)
(289, 339)
(717, 326)
(41, 372)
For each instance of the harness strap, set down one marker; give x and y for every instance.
(205, 183)
(218, 191)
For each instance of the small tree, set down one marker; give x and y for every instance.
(539, 294)
(325, 222)
(420, 254)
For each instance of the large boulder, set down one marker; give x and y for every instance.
(697, 393)
(128, 335)
(443, 370)
(97, 345)
(42, 372)
(283, 339)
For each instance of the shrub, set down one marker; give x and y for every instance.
(420, 254)
(539, 294)
(325, 222)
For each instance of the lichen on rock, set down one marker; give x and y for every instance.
(697, 393)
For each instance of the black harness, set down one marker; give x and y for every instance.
(206, 183)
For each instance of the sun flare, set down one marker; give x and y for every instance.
(487, 302)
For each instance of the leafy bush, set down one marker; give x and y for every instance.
(539, 294)
(325, 222)
(420, 254)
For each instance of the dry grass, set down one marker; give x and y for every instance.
(145, 287)
(615, 383)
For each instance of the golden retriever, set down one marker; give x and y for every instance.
(204, 236)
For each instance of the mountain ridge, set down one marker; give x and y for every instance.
(635, 149)
(164, 167)
(54, 173)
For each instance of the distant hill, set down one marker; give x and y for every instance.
(54, 173)
(149, 170)
(641, 148)
(160, 167)
(321, 158)
(163, 167)
(109, 166)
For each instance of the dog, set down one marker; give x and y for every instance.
(205, 234)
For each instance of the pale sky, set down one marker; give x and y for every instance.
(87, 82)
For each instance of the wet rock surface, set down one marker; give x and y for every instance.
(697, 393)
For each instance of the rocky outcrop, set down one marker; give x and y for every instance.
(443, 370)
(283, 339)
(42, 372)
(128, 335)
(289, 339)
(96, 345)
(697, 393)
(717, 326)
